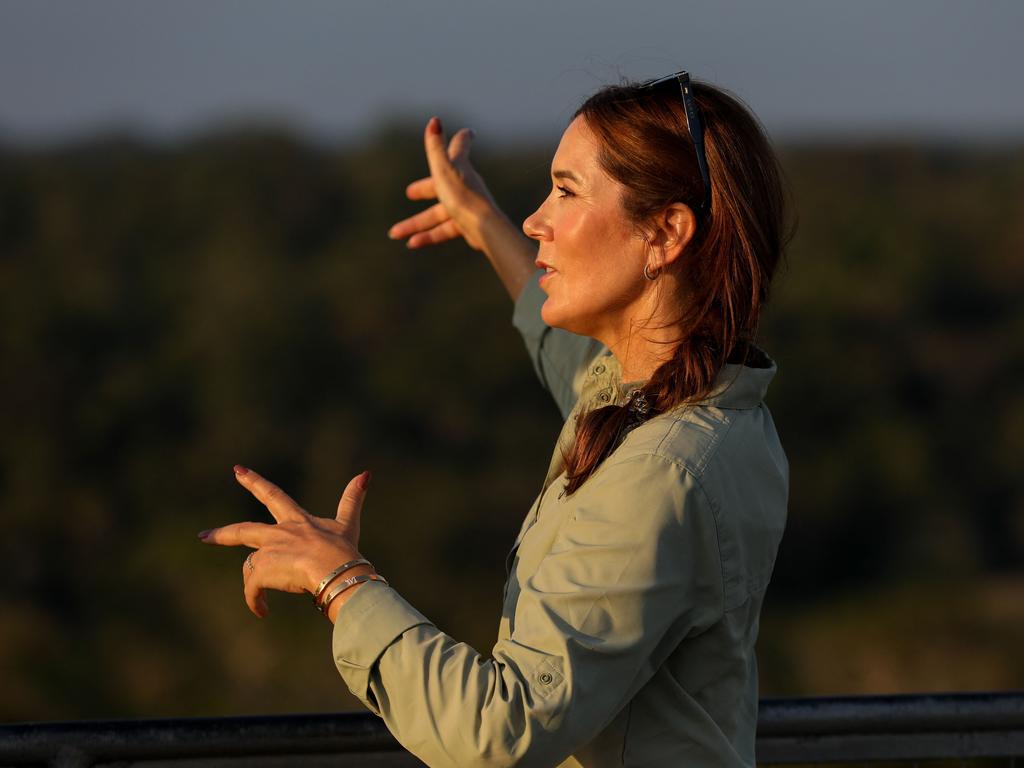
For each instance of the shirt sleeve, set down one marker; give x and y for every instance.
(560, 358)
(633, 570)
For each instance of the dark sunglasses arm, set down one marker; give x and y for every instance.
(696, 129)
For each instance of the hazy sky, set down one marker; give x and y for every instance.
(511, 69)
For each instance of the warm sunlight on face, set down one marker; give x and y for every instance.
(593, 254)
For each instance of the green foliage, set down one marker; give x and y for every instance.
(898, 330)
(166, 312)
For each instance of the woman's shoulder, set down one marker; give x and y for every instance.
(733, 415)
(725, 465)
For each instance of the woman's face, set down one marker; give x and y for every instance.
(596, 257)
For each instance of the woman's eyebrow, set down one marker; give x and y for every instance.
(562, 174)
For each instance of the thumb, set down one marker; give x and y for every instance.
(458, 149)
(351, 504)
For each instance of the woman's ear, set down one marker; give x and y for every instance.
(674, 228)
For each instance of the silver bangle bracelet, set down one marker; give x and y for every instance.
(351, 581)
(335, 574)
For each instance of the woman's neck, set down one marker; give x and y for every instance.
(642, 352)
(643, 336)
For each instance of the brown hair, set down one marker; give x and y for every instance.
(727, 266)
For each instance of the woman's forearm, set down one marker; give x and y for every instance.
(511, 253)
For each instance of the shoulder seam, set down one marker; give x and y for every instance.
(701, 461)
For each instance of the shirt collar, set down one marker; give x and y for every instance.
(736, 386)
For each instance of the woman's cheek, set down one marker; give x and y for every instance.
(575, 223)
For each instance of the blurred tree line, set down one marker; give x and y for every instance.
(167, 311)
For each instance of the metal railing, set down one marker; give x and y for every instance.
(907, 729)
(914, 728)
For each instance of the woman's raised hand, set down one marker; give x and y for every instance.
(463, 202)
(301, 549)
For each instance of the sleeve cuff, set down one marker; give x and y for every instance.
(372, 619)
(526, 314)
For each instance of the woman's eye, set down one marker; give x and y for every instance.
(563, 192)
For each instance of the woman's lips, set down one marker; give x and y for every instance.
(547, 276)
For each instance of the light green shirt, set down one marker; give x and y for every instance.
(631, 607)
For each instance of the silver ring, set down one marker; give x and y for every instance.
(249, 563)
(648, 276)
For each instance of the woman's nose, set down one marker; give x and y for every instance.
(535, 226)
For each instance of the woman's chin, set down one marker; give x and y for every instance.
(554, 316)
(550, 314)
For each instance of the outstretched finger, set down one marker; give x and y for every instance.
(458, 148)
(439, 234)
(254, 596)
(238, 535)
(421, 189)
(280, 504)
(437, 153)
(421, 222)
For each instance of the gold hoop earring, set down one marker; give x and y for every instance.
(648, 276)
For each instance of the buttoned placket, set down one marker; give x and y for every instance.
(599, 389)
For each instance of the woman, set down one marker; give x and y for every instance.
(636, 582)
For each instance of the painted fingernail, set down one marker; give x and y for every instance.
(364, 481)
(240, 470)
(204, 535)
(435, 125)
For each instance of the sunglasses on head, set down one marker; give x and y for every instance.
(693, 125)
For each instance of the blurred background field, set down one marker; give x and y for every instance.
(172, 306)
(169, 311)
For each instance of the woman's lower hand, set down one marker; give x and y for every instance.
(464, 207)
(297, 552)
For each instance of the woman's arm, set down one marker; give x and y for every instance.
(632, 572)
(560, 359)
(466, 209)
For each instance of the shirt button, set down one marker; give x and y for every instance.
(599, 369)
(545, 677)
